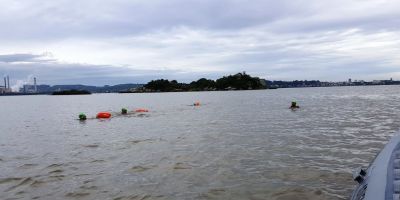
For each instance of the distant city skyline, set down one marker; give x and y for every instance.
(113, 42)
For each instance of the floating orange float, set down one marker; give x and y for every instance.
(103, 115)
(196, 104)
(141, 110)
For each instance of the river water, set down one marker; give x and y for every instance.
(236, 145)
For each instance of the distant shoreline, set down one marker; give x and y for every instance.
(238, 81)
(34, 94)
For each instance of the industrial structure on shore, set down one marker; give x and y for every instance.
(25, 89)
(6, 88)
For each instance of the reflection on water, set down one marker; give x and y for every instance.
(236, 145)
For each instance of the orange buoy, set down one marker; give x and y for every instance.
(141, 110)
(103, 115)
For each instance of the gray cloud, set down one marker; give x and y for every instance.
(104, 42)
(10, 58)
(104, 18)
(50, 72)
(61, 18)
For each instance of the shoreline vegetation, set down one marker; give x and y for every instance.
(239, 81)
(72, 92)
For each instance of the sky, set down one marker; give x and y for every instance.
(100, 42)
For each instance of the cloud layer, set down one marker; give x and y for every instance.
(103, 42)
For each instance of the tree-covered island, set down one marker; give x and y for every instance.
(239, 81)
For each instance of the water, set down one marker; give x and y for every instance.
(237, 145)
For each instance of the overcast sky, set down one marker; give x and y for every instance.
(101, 42)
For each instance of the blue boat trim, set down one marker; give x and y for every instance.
(382, 180)
(392, 181)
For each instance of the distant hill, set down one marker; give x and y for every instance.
(119, 88)
(92, 89)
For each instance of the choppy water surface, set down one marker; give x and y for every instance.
(237, 145)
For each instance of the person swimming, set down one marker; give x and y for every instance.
(294, 105)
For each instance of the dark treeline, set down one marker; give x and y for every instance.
(239, 81)
(71, 92)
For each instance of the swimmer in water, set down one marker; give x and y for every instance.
(294, 105)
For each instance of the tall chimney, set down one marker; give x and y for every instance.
(5, 83)
(8, 82)
(34, 83)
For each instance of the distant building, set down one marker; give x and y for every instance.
(3, 90)
(376, 82)
(34, 88)
(28, 88)
(34, 85)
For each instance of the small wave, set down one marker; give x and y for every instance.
(11, 179)
(133, 197)
(144, 140)
(180, 165)
(91, 145)
(37, 183)
(298, 193)
(97, 161)
(54, 165)
(27, 166)
(141, 168)
(77, 194)
(85, 187)
(56, 171)
(25, 181)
